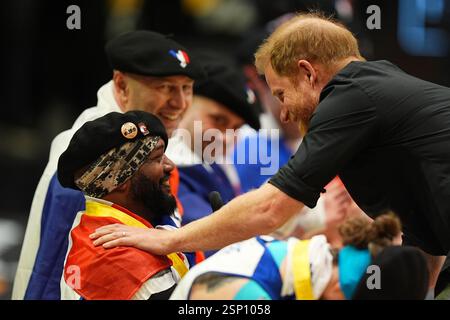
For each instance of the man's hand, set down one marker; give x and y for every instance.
(155, 241)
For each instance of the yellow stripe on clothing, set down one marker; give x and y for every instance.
(302, 273)
(178, 264)
(97, 209)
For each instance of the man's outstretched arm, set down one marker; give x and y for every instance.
(257, 212)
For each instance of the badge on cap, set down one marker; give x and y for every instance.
(143, 128)
(181, 56)
(129, 130)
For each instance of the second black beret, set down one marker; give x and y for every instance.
(150, 53)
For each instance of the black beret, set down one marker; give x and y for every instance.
(226, 84)
(149, 53)
(403, 276)
(245, 50)
(99, 136)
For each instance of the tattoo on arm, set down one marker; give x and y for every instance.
(214, 280)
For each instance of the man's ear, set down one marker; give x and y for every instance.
(124, 187)
(305, 68)
(121, 88)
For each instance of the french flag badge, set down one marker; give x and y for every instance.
(181, 56)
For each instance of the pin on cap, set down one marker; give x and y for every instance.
(143, 128)
(251, 97)
(129, 130)
(98, 137)
(181, 56)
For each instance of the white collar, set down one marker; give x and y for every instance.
(106, 99)
(180, 153)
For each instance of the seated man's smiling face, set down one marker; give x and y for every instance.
(150, 184)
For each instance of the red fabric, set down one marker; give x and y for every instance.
(111, 274)
(199, 256)
(174, 182)
(174, 185)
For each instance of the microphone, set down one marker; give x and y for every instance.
(215, 200)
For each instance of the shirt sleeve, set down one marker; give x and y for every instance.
(344, 124)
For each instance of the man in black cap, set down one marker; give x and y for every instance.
(152, 73)
(118, 162)
(200, 148)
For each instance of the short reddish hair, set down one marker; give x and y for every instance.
(310, 36)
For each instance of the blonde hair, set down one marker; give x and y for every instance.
(310, 36)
